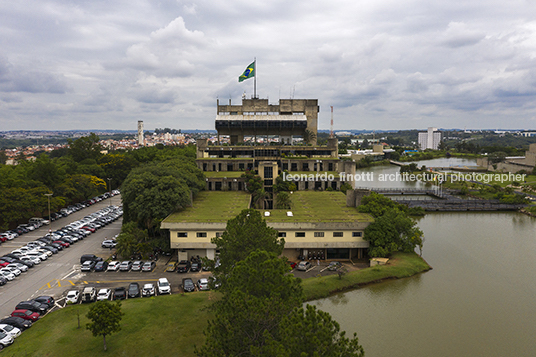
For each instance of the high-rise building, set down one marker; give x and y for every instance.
(430, 139)
(140, 132)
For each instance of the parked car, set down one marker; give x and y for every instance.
(8, 275)
(26, 314)
(89, 294)
(104, 294)
(18, 322)
(171, 267)
(202, 284)
(3, 281)
(163, 286)
(120, 293)
(183, 266)
(10, 330)
(85, 257)
(195, 267)
(101, 266)
(5, 340)
(188, 285)
(133, 290)
(47, 300)
(125, 266)
(334, 266)
(109, 244)
(136, 266)
(292, 265)
(304, 265)
(113, 266)
(148, 266)
(88, 265)
(32, 306)
(73, 296)
(148, 290)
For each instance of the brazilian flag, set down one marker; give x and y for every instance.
(248, 73)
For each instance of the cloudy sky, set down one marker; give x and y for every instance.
(383, 64)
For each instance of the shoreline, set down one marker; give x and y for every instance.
(400, 265)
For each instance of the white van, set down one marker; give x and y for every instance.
(39, 221)
(163, 286)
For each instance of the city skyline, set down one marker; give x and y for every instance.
(382, 65)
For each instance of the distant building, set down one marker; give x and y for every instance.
(140, 132)
(430, 139)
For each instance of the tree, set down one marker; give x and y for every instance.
(257, 295)
(283, 200)
(392, 232)
(105, 317)
(311, 333)
(309, 137)
(260, 197)
(86, 147)
(253, 182)
(130, 239)
(244, 234)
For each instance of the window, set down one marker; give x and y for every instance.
(357, 234)
(338, 234)
(201, 234)
(300, 234)
(241, 167)
(282, 234)
(268, 172)
(319, 234)
(182, 234)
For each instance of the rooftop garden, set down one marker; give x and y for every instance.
(314, 206)
(212, 206)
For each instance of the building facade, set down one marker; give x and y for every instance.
(430, 139)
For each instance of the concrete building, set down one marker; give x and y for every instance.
(319, 222)
(256, 117)
(140, 133)
(223, 165)
(430, 139)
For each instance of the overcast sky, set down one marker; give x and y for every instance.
(383, 64)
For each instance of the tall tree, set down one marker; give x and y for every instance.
(244, 234)
(86, 147)
(105, 319)
(257, 295)
(311, 333)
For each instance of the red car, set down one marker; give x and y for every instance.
(292, 264)
(62, 243)
(26, 314)
(92, 230)
(3, 264)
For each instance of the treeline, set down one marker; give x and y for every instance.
(74, 174)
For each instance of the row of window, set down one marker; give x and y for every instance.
(281, 234)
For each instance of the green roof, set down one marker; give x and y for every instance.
(307, 206)
(212, 206)
(221, 174)
(315, 206)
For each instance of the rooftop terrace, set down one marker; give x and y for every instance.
(314, 206)
(307, 206)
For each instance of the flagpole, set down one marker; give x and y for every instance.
(255, 79)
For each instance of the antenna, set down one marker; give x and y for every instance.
(331, 128)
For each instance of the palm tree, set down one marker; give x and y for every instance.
(309, 137)
(260, 197)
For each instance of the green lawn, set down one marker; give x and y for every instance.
(401, 265)
(212, 206)
(221, 174)
(314, 206)
(158, 326)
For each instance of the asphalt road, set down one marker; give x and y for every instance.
(52, 276)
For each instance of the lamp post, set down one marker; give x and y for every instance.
(49, 217)
(110, 189)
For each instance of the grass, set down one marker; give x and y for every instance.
(401, 265)
(150, 327)
(212, 206)
(314, 206)
(221, 174)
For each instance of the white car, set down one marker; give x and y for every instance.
(202, 284)
(48, 253)
(113, 266)
(73, 297)
(21, 251)
(26, 258)
(5, 339)
(163, 286)
(7, 274)
(37, 254)
(148, 290)
(104, 294)
(18, 266)
(14, 270)
(10, 330)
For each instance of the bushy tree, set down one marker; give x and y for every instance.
(105, 317)
(244, 234)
